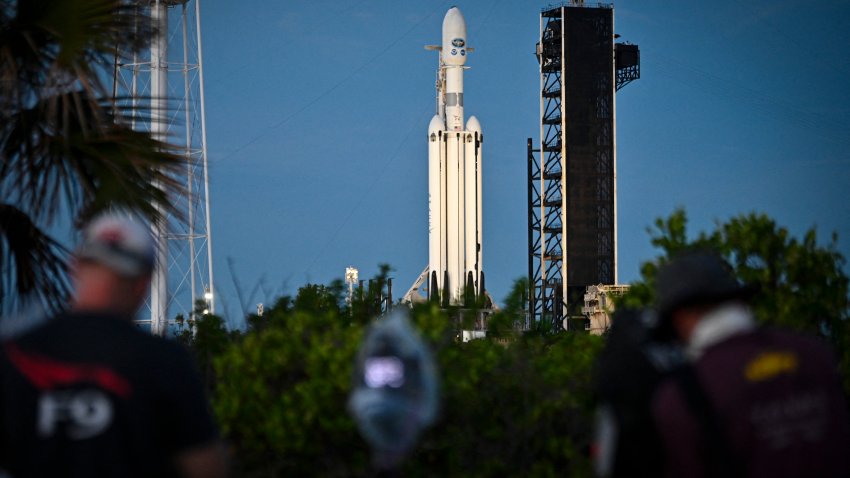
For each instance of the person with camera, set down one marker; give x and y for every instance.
(754, 401)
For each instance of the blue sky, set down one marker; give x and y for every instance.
(317, 114)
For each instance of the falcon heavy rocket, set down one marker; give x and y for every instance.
(454, 178)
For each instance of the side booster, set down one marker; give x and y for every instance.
(455, 274)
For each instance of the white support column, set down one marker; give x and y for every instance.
(190, 160)
(565, 240)
(614, 147)
(201, 100)
(158, 127)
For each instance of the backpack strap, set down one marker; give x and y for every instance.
(722, 460)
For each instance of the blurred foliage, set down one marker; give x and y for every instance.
(281, 392)
(802, 284)
(515, 403)
(510, 407)
(511, 404)
(206, 337)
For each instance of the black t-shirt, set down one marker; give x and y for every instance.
(87, 395)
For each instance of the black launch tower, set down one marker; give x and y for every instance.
(572, 210)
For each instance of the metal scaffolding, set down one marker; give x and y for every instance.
(572, 171)
(167, 80)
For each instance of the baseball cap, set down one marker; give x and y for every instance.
(697, 277)
(119, 243)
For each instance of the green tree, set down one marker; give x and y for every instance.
(370, 302)
(206, 336)
(67, 150)
(316, 298)
(281, 390)
(514, 404)
(514, 407)
(802, 284)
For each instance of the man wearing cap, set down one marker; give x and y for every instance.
(88, 394)
(756, 402)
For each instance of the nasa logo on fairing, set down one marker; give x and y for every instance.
(458, 42)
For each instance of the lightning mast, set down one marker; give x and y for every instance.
(169, 79)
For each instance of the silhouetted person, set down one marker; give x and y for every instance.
(88, 394)
(629, 369)
(757, 402)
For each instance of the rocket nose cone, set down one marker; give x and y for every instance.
(436, 124)
(454, 38)
(472, 125)
(454, 21)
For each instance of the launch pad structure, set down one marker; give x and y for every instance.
(572, 208)
(167, 81)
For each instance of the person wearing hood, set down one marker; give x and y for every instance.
(755, 401)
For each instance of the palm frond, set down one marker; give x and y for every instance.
(55, 45)
(67, 148)
(65, 153)
(32, 264)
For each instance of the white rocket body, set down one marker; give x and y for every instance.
(453, 56)
(454, 178)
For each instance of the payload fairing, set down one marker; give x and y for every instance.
(454, 178)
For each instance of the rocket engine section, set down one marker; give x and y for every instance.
(455, 274)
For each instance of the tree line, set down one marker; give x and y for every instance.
(515, 402)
